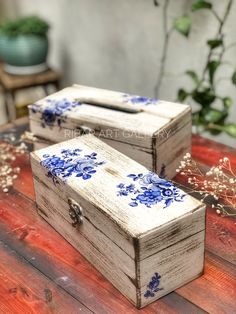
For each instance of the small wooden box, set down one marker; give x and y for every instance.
(155, 133)
(141, 232)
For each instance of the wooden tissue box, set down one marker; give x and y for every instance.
(155, 133)
(144, 234)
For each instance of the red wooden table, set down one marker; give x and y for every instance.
(41, 273)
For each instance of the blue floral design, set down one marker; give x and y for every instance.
(149, 190)
(153, 286)
(136, 100)
(70, 162)
(55, 111)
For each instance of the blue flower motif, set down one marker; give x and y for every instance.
(55, 111)
(86, 173)
(70, 162)
(134, 99)
(125, 190)
(149, 190)
(153, 286)
(148, 294)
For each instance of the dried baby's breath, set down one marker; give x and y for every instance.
(28, 137)
(219, 183)
(8, 173)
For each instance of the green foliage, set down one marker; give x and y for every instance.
(204, 97)
(204, 91)
(212, 115)
(234, 78)
(182, 95)
(201, 4)
(212, 66)
(193, 76)
(215, 43)
(183, 25)
(24, 26)
(227, 102)
(230, 129)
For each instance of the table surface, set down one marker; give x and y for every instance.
(41, 273)
(12, 82)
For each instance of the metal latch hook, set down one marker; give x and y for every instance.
(75, 212)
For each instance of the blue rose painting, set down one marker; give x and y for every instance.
(149, 189)
(139, 100)
(153, 286)
(55, 111)
(70, 162)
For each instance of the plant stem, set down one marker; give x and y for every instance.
(219, 34)
(216, 15)
(167, 34)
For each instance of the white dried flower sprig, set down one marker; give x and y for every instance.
(8, 173)
(28, 137)
(219, 182)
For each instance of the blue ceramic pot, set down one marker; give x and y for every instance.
(23, 50)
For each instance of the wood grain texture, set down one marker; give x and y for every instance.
(111, 270)
(63, 264)
(220, 231)
(46, 250)
(171, 149)
(139, 127)
(113, 99)
(114, 171)
(175, 265)
(12, 82)
(24, 289)
(171, 233)
(107, 243)
(34, 239)
(123, 127)
(110, 259)
(218, 282)
(221, 236)
(209, 152)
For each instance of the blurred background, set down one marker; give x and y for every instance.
(145, 48)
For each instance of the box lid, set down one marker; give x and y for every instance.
(126, 118)
(135, 198)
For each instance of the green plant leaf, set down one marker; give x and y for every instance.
(214, 43)
(213, 130)
(212, 115)
(193, 76)
(182, 95)
(227, 102)
(201, 4)
(234, 78)
(205, 97)
(212, 67)
(25, 26)
(183, 25)
(230, 129)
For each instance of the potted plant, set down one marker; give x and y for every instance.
(24, 45)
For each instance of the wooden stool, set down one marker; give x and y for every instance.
(12, 83)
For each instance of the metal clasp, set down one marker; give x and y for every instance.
(83, 129)
(75, 212)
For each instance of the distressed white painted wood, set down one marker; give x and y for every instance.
(128, 243)
(130, 123)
